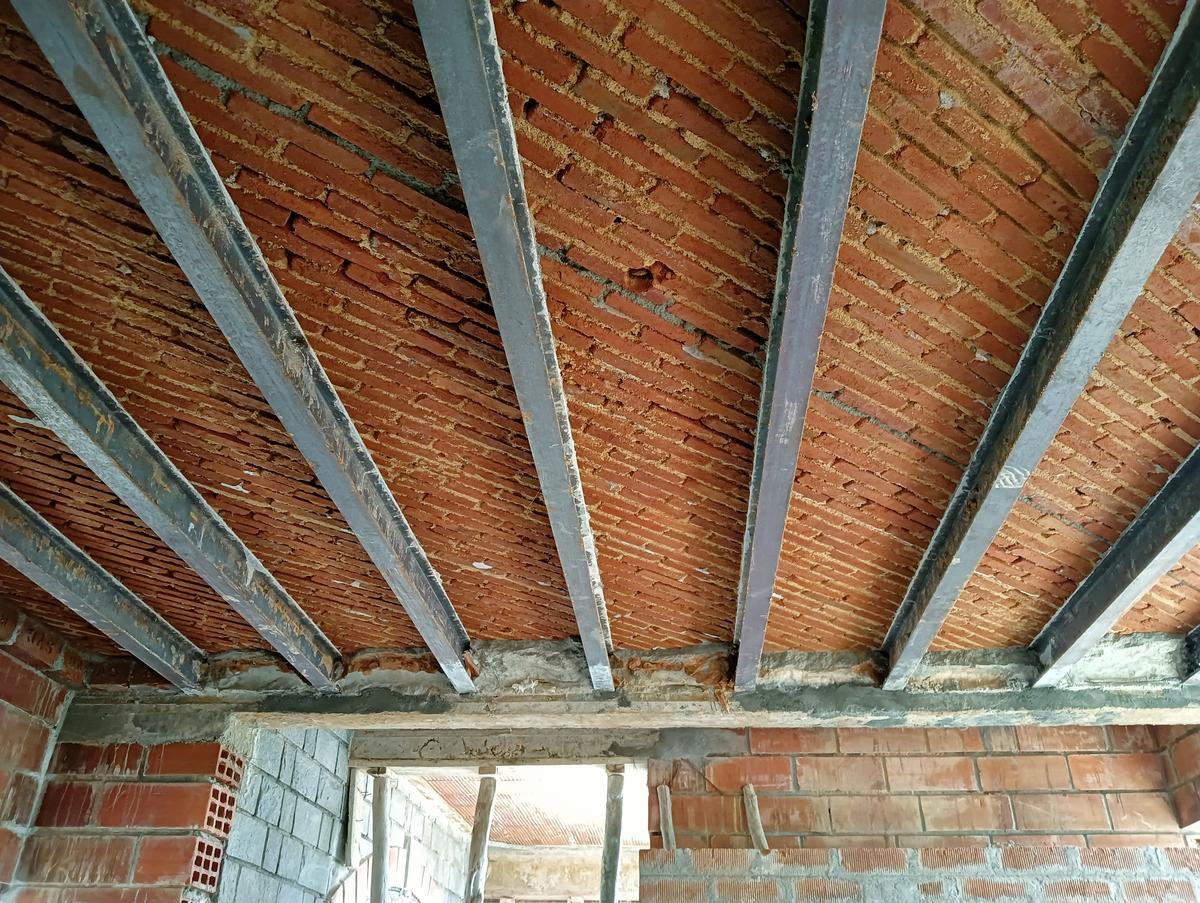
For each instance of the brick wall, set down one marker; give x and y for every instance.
(1181, 760)
(32, 706)
(145, 823)
(1069, 786)
(900, 876)
(289, 828)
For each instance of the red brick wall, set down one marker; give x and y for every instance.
(1069, 786)
(1181, 759)
(1128, 875)
(147, 823)
(32, 706)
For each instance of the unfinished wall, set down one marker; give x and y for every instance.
(1069, 786)
(289, 828)
(145, 823)
(905, 876)
(32, 706)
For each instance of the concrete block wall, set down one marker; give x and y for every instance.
(32, 706)
(289, 829)
(1067, 786)
(429, 846)
(1112, 875)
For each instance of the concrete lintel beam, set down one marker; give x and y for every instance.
(1128, 680)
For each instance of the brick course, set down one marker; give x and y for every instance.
(135, 822)
(908, 875)
(654, 140)
(32, 706)
(1093, 787)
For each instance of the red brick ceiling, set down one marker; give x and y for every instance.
(654, 139)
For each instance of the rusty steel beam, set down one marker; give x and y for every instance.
(460, 40)
(1147, 191)
(839, 64)
(102, 55)
(33, 546)
(1165, 530)
(47, 375)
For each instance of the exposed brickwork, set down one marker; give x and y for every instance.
(32, 706)
(980, 155)
(405, 310)
(1181, 761)
(144, 823)
(655, 140)
(1095, 787)
(715, 876)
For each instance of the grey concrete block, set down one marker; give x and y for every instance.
(287, 813)
(268, 753)
(307, 824)
(270, 801)
(247, 798)
(247, 839)
(316, 871)
(331, 795)
(291, 858)
(328, 750)
(230, 869)
(306, 778)
(287, 763)
(256, 885)
(272, 849)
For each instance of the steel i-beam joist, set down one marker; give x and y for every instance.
(33, 546)
(460, 40)
(839, 65)
(102, 55)
(1143, 197)
(1165, 530)
(58, 386)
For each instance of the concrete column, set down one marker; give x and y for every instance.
(381, 822)
(613, 810)
(477, 863)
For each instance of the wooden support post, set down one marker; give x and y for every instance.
(381, 821)
(754, 818)
(611, 863)
(477, 861)
(351, 819)
(666, 821)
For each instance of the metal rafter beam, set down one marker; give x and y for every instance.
(104, 58)
(33, 546)
(1165, 530)
(460, 39)
(1148, 189)
(57, 385)
(839, 64)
